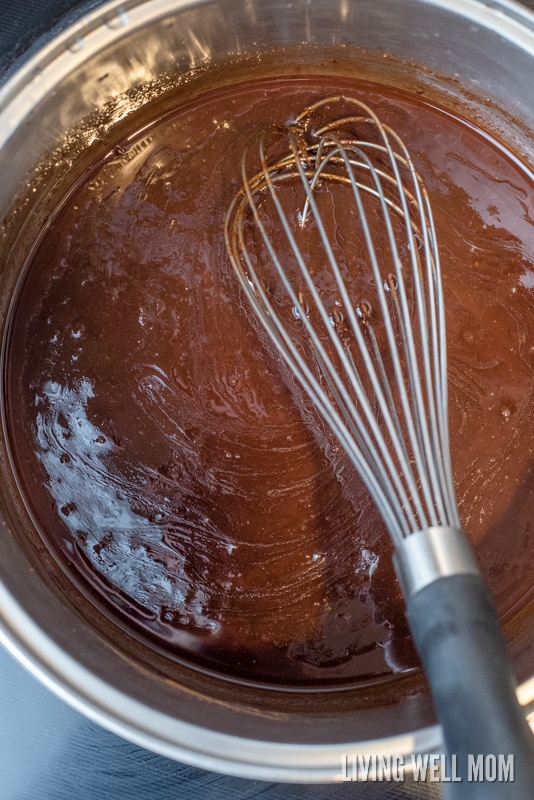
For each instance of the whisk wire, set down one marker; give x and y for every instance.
(358, 334)
(257, 296)
(429, 431)
(414, 430)
(426, 438)
(344, 401)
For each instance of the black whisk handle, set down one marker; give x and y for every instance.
(489, 745)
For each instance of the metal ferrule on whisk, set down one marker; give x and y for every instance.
(429, 555)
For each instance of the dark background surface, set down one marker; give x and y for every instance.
(50, 752)
(26, 24)
(47, 750)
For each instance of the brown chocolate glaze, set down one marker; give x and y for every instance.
(172, 463)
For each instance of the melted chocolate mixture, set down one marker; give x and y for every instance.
(172, 463)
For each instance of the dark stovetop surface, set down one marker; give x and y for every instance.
(47, 750)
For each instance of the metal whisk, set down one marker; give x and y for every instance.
(333, 241)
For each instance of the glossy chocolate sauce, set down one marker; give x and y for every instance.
(171, 461)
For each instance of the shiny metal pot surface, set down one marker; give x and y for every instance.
(56, 112)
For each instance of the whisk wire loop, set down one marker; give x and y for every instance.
(420, 285)
(363, 458)
(426, 429)
(350, 413)
(399, 449)
(413, 429)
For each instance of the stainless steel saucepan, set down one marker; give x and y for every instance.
(57, 113)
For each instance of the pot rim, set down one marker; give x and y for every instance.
(149, 728)
(95, 30)
(23, 638)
